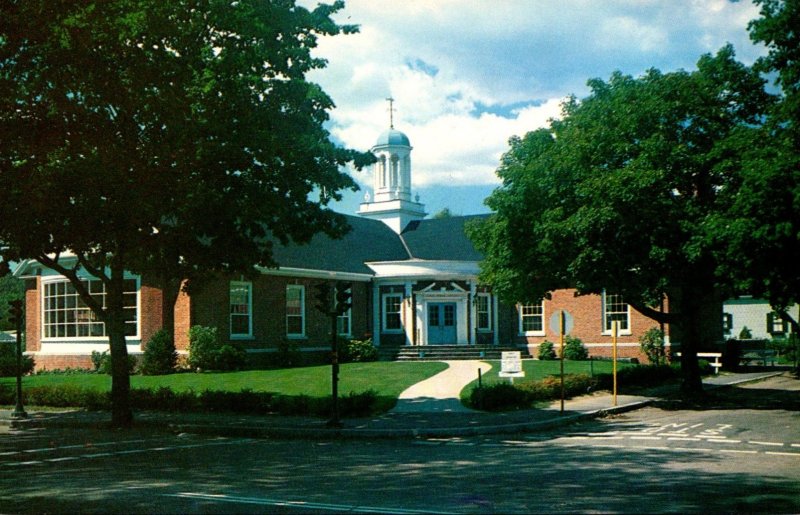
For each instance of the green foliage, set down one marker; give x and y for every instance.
(546, 351)
(208, 352)
(102, 363)
(160, 356)
(288, 354)
(745, 334)
(652, 344)
(525, 394)
(574, 349)
(8, 360)
(357, 351)
(650, 163)
(11, 288)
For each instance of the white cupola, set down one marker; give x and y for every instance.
(391, 200)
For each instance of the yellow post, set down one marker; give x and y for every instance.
(562, 323)
(614, 329)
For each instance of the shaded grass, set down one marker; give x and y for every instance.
(386, 379)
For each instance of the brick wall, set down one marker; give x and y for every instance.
(33, 315)
(587, 313)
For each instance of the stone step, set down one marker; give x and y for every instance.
(445, 352)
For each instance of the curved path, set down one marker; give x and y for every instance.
(441, 393)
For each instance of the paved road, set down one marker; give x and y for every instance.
(710, 458)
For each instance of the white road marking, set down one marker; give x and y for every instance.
(772, 444)
(303, 505)
(776, 453)
(737, 451)
(95, 455)
(67, 447)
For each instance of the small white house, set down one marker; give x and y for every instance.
(757, 315)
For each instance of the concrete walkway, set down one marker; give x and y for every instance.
(441, 393)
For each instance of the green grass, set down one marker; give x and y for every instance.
(387, 379)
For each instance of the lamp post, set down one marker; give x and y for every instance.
(16, 319)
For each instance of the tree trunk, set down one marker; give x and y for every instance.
(121, 412)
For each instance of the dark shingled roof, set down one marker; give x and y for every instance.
(368, 240)
(441, 239)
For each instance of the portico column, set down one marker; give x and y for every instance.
(410, 313)
(472, 336)
(377, 323)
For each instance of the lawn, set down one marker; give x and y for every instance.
(387, 379)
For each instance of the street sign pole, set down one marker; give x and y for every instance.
(562, 323)
(614, 331)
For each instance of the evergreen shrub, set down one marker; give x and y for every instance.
(8, 361)
(358, 351)
(160, 356)
(574, 349)
(208, 352)
(547, 351)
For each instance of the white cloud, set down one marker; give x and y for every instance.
(468, 74)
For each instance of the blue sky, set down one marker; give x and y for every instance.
(466, 75)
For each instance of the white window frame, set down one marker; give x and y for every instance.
(384, 298)
(487, 298)
(623, 331)
(249, 314)
(43, 310)
(521, 315)
(347, 315)
(302, 315)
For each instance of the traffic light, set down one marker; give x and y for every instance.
(323, 295)
(15, 311)
(344, 297)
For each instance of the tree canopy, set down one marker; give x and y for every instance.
(623, 194)
(181, 136)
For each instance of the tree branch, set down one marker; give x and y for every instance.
(80, 286)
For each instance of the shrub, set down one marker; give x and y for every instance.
(358, 351)
(207, 352)
(499, 397)
(574, 349)
(288, 354)
(8, 361)
(102, 362)
(160, 356)
(745, 334)
(652, 343)
(203, 344)
(547, 351)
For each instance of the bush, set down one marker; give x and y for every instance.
(547, 351)
(207, 352)
(652, 344)
(8, 361)
(102, 363)
(358, 351)
(160, 356)
(745, 334)
(574, 349)
(288, 354)
(499, 397)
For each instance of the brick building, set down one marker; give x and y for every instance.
(414, 283)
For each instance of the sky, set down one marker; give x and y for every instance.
(466, 75)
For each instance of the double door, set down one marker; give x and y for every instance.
(442, 323)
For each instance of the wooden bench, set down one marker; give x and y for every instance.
(708, 355)
(756, 355)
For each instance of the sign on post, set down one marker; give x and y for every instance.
(511, 365)
(555, 322)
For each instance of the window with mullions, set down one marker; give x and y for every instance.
(615, 309)
(483, 312)
(65, 315)
(241, 309)
(295, 311)
(343, 321)
(531, 318)
(392, 321)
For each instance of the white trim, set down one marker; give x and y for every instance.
(302, 315)
(489, 314)
(603, 314)
(249, 334)
(384, 329)
(65, 340)
(417, 269)
(520, 326)
(308, 273)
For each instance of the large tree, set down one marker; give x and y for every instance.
(619, 195)
(173, 138)
(762, 228)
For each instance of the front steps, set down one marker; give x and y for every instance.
(444, 352)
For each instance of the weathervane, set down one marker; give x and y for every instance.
(391, 112)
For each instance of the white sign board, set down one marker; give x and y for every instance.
(511, 364)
